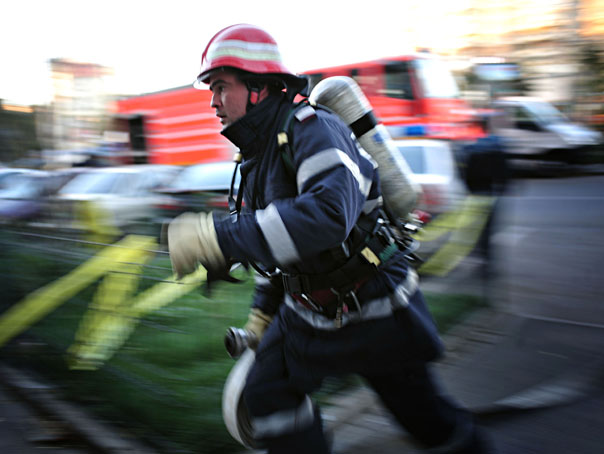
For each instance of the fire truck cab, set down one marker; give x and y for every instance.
(413, 95)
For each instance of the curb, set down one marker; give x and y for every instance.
(95, 434)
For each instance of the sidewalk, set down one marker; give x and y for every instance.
(34, 418)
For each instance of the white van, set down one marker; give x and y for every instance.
(534, 128)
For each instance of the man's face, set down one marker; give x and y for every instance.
(229, 97)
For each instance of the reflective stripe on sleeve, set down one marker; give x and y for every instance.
(278, 238)
(327, 159)
(261, 280)
(372, 204)
(285, 421)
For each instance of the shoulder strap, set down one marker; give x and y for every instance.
(301, 112)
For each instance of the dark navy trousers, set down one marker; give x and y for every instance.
(392, 354)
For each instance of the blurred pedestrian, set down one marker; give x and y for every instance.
(332, 297)
(486, 173)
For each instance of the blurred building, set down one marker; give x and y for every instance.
(18, 138)
(543, 37)
(79, 104)
(591, 17)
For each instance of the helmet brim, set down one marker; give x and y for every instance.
(295, 84)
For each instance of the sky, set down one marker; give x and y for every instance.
(153, 46)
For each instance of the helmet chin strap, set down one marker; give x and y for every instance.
(253, 95)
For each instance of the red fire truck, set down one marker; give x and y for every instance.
(175, 126)
(413, 95)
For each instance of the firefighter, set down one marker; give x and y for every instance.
(333, 296)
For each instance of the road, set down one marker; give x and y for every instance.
(548, 362)
(552, 233)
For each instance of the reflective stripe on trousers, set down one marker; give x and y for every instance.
(285, 421)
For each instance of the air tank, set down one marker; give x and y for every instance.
(342, 95)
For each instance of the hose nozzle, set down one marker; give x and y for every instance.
(237, 340)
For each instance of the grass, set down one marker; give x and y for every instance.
(165, 382)
(451, 309)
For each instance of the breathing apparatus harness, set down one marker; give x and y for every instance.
(373, 241)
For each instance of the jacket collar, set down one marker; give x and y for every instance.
(251, 131)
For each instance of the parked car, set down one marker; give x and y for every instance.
(22, 194)
(123, 195)
(205, 186)
(26, 194)
(434, 169)
(7, 173)
(198, 187)
(532, 128)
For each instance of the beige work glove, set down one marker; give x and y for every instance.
(257, 322)
(237, 340)
(192, 240)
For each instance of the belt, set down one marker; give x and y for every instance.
(331, 294)
(345, 277)
(372, 309)
(330, 303)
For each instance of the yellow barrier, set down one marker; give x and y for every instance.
(42, 301)
(98, 224)
(464, 227)
(114, 310)
(107, 326)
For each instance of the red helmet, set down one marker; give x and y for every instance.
(245, 47)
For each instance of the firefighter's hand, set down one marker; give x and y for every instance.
(257, 322)
(192, 240)
(237, 340)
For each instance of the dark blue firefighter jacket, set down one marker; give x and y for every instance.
(294, 222)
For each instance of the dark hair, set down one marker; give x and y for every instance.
(275, 83)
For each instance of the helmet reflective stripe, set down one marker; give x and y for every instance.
(245, 50)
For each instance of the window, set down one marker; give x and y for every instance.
(397, 81)
(435, 79)
(414, 155)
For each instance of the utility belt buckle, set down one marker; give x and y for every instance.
(300, 286)
(382, 245)
(383, 233)
(296, 284)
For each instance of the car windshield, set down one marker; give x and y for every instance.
(21, 186)
(414, 156)
(206, 177)
(545, 112)
(91, 183)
